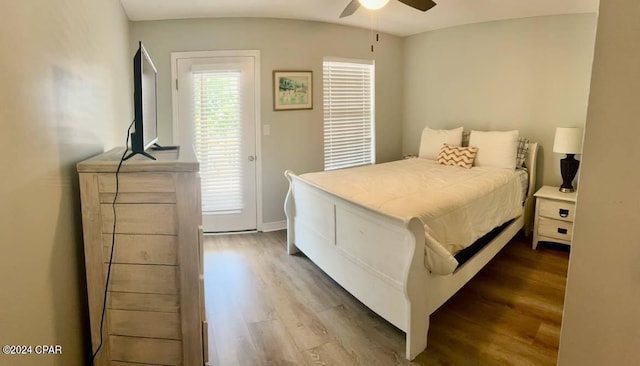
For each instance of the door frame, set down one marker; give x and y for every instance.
(175, 56)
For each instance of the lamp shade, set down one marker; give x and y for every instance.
(568, 140)
(373, 4)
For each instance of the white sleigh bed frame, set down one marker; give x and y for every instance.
(351, 243)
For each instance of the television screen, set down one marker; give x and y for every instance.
(144, 103)
(149, 106)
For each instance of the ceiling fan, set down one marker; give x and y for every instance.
(351, 8)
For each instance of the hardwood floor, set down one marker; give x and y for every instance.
(265, 307)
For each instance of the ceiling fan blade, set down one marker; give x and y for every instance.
(350, 9)
(423, 5)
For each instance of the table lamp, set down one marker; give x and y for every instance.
(568, 141)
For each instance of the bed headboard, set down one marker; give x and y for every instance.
(531, 164)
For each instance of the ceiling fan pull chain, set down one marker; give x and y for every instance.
(371, 30)
(377, 28)
(374, 26)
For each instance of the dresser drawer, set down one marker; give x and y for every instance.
(556, 229)
(141, 249)
(143, 278)
(137, 188)
(146, 351)
(137, 219)
(148, 324)
(557, 210)
(136, 182)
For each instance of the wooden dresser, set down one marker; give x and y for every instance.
(155, 304)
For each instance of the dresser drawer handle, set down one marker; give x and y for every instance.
(563, 212)
(562, 230)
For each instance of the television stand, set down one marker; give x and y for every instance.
(157, 147)
(138, 146)
(143, 153)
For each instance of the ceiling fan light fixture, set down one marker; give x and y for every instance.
(373, 4)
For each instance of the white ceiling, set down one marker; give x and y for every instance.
(395, 18)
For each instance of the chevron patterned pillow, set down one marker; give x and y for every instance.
(457, 155)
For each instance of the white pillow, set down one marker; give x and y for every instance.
(432, 140)
(495, 148)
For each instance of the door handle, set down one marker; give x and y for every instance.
(562, 230)
(252, 158)
(563, 212)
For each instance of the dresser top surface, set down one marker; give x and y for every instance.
(179, 160)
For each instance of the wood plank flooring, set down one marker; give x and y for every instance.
(265, 307)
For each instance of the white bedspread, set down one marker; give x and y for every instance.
(456, 205)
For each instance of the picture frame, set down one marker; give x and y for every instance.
(292, 90)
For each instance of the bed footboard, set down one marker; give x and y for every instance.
(378, 258)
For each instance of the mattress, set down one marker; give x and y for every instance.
(456, 205)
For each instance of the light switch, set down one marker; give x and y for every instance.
(266, 130)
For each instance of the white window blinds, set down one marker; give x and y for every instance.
(217, 108)
(348, 113)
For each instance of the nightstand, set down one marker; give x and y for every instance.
(554, 216)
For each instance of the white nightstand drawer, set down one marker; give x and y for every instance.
(557, 210)
(555, 229)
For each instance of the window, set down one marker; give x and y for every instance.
(348, 89)
(218, 144)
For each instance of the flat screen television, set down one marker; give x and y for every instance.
(144, 103)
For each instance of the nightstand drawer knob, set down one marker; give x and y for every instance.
(563, 212)
(562, 230)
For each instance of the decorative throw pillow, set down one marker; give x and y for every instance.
(432, 140)
(457, 155)
(465, 138)
(495, 148)
(523, 149)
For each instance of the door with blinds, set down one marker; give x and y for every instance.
(217, 115)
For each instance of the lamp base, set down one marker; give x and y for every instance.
(568, 169)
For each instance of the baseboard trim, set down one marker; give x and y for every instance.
(274, 226)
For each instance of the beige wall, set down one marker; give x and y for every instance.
(528, 74)
(601, 324)
(65, 73)
(296, 139)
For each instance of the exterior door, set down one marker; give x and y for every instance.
(217, 116)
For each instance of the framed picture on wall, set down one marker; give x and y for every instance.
(292, 90)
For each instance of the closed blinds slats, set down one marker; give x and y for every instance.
(348, 114)
(217, 104)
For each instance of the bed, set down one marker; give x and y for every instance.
(382, 250)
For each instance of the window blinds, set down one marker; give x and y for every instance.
(348, 113)
(217, 105)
